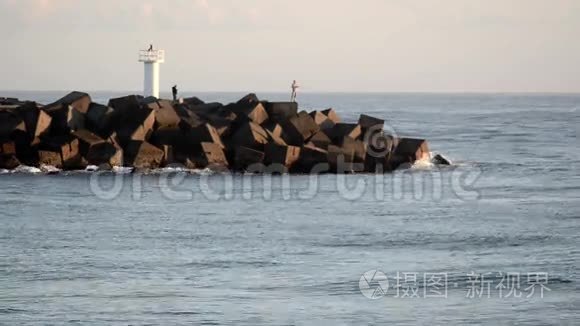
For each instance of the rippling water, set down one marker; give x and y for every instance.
(165, 249)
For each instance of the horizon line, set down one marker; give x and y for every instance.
(458, 92)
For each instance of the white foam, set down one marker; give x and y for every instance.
(27, 169)
(169, 169)
(424, 164)
(122, 169)
(49, 169)
(91, 168)
(206, 171)
(4, 171)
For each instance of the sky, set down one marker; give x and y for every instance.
(262, 45)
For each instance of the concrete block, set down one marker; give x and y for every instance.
(9, 161)
(273, 128)
(320, 140)
(311, 157)
(68, 148)
(7, 147)
(283, 155)
(248, 158)
(299, 128)
(250, 135)
(341, 130)
(125, 105)
(98, 119)
(213, 155)
(275, 139)
(188, 119)
(249, 99)
(357, 147)
(332, 115)
(135, 126)
(36, 120)
(193, 101)
(50, 158)
(77, 100)
(412, 149)
(281, 112)
(205, 133)
(98, 151)
(142, 155)
(367, 122)
(65, 119)
(254, 111)
(165, 114)
(12, 127)
(321, 120)
(440, 160)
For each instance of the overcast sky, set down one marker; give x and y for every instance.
(261, 45)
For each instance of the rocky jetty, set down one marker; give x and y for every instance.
(146, 133)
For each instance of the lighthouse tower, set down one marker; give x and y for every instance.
(151, 59)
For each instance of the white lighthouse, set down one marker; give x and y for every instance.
(151, 59)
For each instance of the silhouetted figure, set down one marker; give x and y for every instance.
(174, 92)
(150, 48)
(295, 87)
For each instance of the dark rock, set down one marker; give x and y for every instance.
(99, 119)
(205, 133)
(10, 101)
(134, 126)
(440, 160)
(370, 123)
(280, 112)
(77, 100)
(126, 105)
(7, 147)
(273, 127)
(411, 149)
(341, 130)
(249, 99)
(12, 127)
(312, 160)
(210, 155)
(299, 128)
(68, 149)
(320, 140)
(165, 114)
(254, 111)
(50, 158)
(36, 120)
(142, 155)
(286, 156)
(250, 135)
(98, 151)
(193, 101)
(322, 120)
(332, 115)
(65, 119)
(248, 159)
(9, 161)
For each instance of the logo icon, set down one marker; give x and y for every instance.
(373, 284)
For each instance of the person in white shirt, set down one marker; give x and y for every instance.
(295, 87)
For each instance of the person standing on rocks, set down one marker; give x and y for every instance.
(174, 92)
(295, 87)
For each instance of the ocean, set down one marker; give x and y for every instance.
(492, 240)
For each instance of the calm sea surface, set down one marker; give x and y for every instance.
(493, 240)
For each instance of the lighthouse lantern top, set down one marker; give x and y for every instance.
(152, 56)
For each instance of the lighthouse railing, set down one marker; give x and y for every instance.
(152, 56)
